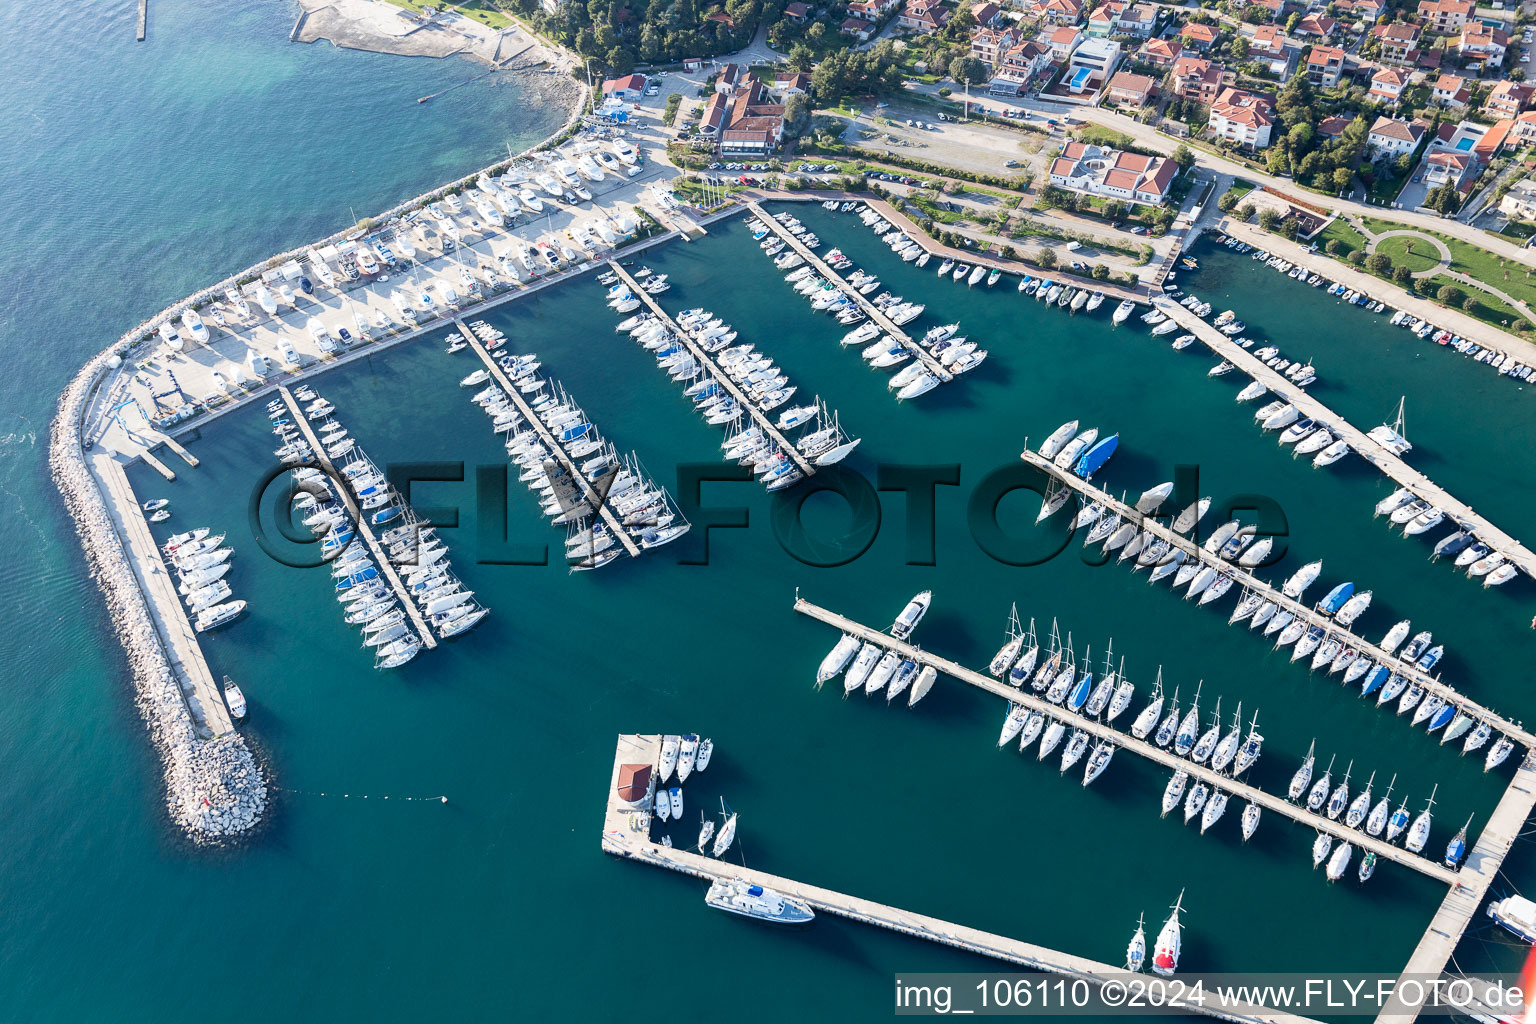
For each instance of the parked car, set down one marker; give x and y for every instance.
(1010, 163)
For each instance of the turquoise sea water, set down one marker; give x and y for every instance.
(500, 900)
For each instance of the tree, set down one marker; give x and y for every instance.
(1047, 258)
(620, 62)
(968, 70)
(1277, 160)
(1245, 212)
(1403, 276)
(1357, 256)
(1469, 304)
(1184, 157)
(1334, 247)
(1290, 228)
(801, 57)
(1341, 178)
(1450, 295)
(1114, 210)
(1238, 47)
(1268, 218)
(1403, 164)
(1227, 203)
(1100, 272)
(797, 115)
(1379, 263)
(1007, 252)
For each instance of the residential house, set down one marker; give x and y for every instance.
(1508, 99)
(788, 83)
(753, 123)
(1333, 127)
(627, 89)
(798, 11)
(1017, 67)
(1057, 12)
(1447, 168)
(1315, 26)
(1325, 65)
(1388, 84)
(713, 117)
(923, 16)
(1063, 40)
(1451, 91)
(1274, 7)
(1390, 136)
(1446, 17)
(1522, 130)
(1478, 45)
(1397, 40)
(1195, 78)
(1133, 90)
(1160, 53)
(1138, 20)
(1113, 174)
(988, 15)
(1198, 36)
(730, 76)
(989, 44)
(856, 28)
(1362, 10)
(1267, 41)
(1242, 118)
(1519, 203)
(1098, 58)
(1104, 18)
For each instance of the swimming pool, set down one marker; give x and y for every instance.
(1464, 144)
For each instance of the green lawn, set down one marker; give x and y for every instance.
(483, 11)
(1490, 309)
(1339, 229)
(1518, 281)
(1386, 187)
(1241, 187)
(1422, 257)
(934, 211)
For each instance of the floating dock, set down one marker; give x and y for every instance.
(885, 323)
(1301, 611)
(705, 359)
(143, 19)
(626, 833)
(380, 556)
(1466, 896)
(557, 452)
(1394, 467)
(1166, 758)
(205, 699)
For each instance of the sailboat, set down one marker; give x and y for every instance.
(1136, 952)
(1184, 739)
(1418, 832)
(1098, 761)
(1250, 821)
(1165, 958)
(727, 834)
(1340, 795)
(1248, 753)
(1028, 654)
(1318, 794)
(1003, 660)
(1226, 749)
(1360, 805)
(1174, 791)
(1398, 821)
(1457, 847)
(1169, 726)
(1147, 719)
(1391, 436)
(1208, 739)
(1377, 819)
(706, 831)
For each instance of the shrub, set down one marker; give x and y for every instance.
(1100, 272)
(1469, 304)
(1357, 256)
(1268, 219)
(1334, 247)
(1227, 203)
(1450, 295)
(1047, 258)
(1404, 277)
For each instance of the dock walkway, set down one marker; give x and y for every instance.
(762, 419)
(1460, 904)
(556, 450)
(626, 834)
(1244, 577)
(1152, 752)
(1394, 467)
(380, 556)
(204, 698)
(885, 323)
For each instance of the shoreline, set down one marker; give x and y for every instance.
(379, 26)
(215, 787)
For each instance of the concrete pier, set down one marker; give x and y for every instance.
(1244, 577)
(752, 409)
(552, 443)
(204, 697)
(870, 309)
(1166, 758)
(1466, 896)
(157, 465)
(176, 446)
(626, 833)
(143, 19)
(364, 529)
(1394, 467)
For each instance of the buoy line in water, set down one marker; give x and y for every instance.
(359, 796)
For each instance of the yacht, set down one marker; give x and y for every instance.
(1136, 952)
(234, 698)
(911, 615)
(837, 658)
(1165, 958)
(745, 899)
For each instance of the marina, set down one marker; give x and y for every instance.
(1366, 447)
(626, 834)
(764, 422)
(552, 443)
(381, 557)
(1300, 611)
(936, 368)
(1098, 730)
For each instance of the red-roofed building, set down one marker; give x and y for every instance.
(1451, 91)
(988, 15)
(1138, 20)
(1522, 130)
(1134, 90)
(797, 11)
(1242, 118)
(1396, 39)
(1018, 66)
(1274, 7)
(1103, 18)
(1057, 12)
(720, 17)
(1315, 26)
(1325, 65)
(630, 87)
(753, 123)
(729, 78)
(1392, 137)
(1160, 53)
(1479, 46)
(989, 44)
(923, 16)
(1446, 16)
(1333, 127)
(1195, 78)
(1508, 99)
(1198, 36)
(1112, 174)
(1505, 133)
(856, 28)
(1062, 40)
(1388, 84)
(1444, 168)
